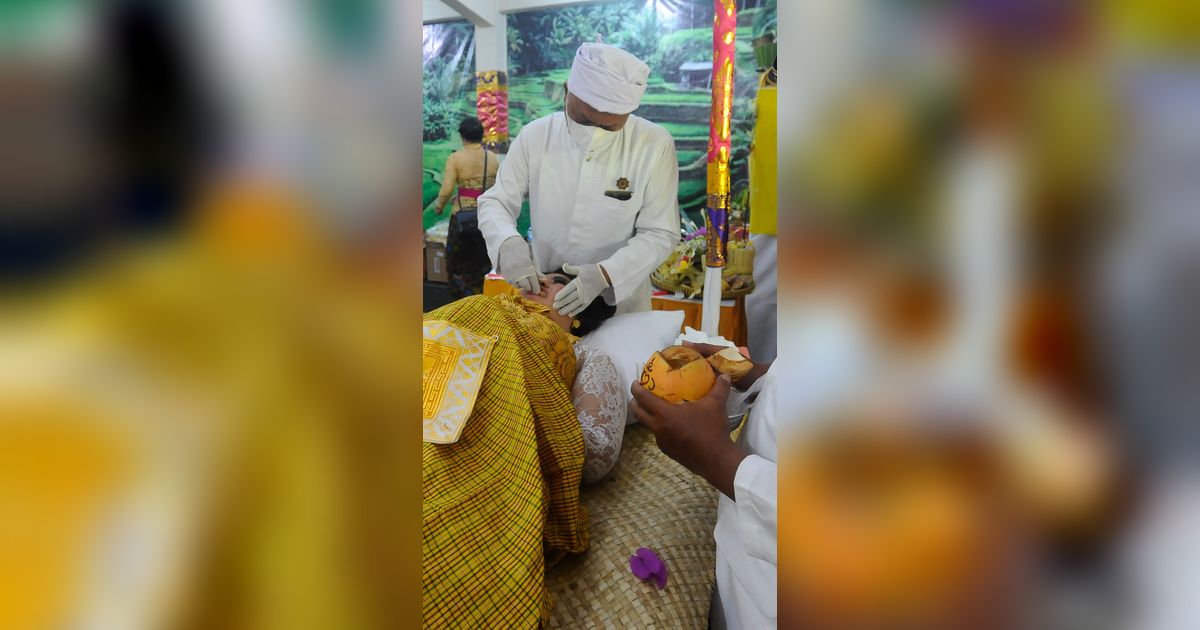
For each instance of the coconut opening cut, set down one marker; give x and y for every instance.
(679, 356)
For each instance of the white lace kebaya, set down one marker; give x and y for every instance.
(600, 407)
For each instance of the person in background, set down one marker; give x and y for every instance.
(602, 187)
(473, 170)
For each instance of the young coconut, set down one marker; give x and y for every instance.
(1061, 468)
(678, 374)
(730, 361)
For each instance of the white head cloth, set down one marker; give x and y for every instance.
(608, 78)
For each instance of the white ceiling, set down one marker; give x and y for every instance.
(439, 11)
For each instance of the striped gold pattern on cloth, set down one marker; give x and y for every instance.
(502, 503)
(453, 363)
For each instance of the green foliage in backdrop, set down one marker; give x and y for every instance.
(541, 45)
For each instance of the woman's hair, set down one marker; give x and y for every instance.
(471, 130)
(592, 316)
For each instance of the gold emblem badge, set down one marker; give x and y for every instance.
(623, 183)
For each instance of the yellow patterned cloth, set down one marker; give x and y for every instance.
(453, 363)
(558, 346)
(502, 503)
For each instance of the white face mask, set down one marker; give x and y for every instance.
(581, 133)
(601, 134)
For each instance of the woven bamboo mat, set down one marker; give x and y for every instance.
(648, 500)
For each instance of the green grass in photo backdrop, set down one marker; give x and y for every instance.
(682, 112)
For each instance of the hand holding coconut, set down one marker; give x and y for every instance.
(696, 433)
(685, 373)
(683, 401)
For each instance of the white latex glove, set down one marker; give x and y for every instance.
(516, 265)
(588, 284)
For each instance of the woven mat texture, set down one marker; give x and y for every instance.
(647, 500)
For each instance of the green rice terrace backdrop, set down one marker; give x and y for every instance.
(674, 37)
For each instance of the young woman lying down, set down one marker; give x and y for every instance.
(598, 393)
(502, 502)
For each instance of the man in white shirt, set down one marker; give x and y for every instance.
(696, 435)
(602, 187)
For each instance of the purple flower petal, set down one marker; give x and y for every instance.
(660, 578)
(639, 568)
(650, 559)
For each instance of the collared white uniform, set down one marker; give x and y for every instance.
(746, 528)
(565, 168)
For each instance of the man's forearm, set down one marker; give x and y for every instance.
(722, 468)
(634, 262)
(497, 225)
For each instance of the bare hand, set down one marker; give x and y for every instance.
(695, 434)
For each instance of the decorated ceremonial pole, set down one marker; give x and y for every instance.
(491, 89)
(716, 213)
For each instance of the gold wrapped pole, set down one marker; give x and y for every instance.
(716, 213)
(491, 91)
(716, 216)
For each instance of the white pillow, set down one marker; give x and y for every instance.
(631, 338)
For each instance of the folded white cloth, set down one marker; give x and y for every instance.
(608, 78)
(697, 336)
